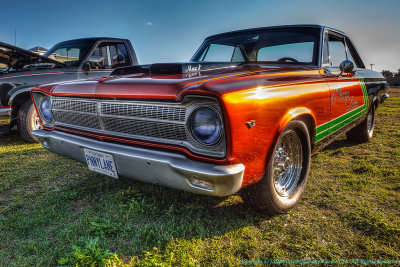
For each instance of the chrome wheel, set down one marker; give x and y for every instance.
(36, 122)
(287, 163)
(370, 122)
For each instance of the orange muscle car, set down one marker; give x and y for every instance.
(244, 115)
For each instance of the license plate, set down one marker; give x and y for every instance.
(100, 162)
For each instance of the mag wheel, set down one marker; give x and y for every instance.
(364, 131)
(27, 121)
(286, 177)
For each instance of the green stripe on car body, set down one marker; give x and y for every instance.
(327, 128)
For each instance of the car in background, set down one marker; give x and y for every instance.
(244, 115)
(22, 70)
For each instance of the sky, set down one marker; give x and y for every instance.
(171, 31)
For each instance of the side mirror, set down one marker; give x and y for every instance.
(96, 62)
(346, 67)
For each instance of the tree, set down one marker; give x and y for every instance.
(388, 73)
(397, 74)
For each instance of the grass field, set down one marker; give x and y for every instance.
(54, 211)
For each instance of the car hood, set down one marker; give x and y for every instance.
(20, 59)
(172, 80)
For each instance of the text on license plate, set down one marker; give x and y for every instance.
(100, 162)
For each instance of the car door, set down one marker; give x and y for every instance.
(348, 95)
(113, 54)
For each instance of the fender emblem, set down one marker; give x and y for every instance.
(250, 124)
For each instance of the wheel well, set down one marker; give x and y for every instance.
(376, 102)
(18, 101)
(309, 121)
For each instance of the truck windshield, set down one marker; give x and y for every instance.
(69, 53)
(274, 45)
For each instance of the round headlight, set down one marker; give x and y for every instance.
(206, 126)
(45, 108)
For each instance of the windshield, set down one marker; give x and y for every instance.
(275, 45)
(69, 53)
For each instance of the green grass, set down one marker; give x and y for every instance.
(54, 211)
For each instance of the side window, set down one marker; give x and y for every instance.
(68, 56)
(114, 55)
(237, 55)
(119, 56)
(352, 54)
(337, 50)
(350, 57)
(103, 51)
(325, 54)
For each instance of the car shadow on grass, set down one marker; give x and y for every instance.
(340, 143)
(11, 138)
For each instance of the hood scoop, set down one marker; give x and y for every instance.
(190, 69)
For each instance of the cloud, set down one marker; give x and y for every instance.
(149, 23)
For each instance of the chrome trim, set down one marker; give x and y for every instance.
(153, 166)
(6, 112)
(384, 97)
(141, 120)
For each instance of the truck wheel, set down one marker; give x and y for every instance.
(364, 131)
(27, 121)
(285, 179)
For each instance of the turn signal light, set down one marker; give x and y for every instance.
(196, 182)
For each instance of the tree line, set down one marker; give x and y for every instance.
(389, 74)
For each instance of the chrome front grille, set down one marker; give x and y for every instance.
(141, 120)
(144, 111)
(146, 128)
(78, 119)
(74, 105)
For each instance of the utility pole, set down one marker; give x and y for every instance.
(371, 65)
(15, 36)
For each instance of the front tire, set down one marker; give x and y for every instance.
(285, 179)
(27, 121)
(364, 131)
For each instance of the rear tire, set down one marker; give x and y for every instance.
(27, 121)
(364, 131)
(285, 179)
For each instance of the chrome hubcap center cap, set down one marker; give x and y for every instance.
(282, 161)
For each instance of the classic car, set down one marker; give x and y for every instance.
(244, 115)
(21, 70)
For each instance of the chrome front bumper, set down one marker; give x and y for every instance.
(5, 119)
(152, 166)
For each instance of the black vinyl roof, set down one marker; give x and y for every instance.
(91, 39)
(276, 27)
